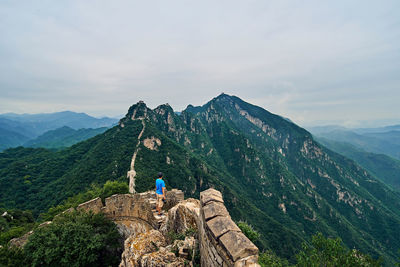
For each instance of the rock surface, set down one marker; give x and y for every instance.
(161, 258)
(137, 246)
(183, 216)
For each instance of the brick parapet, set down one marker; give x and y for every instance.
(221, 241)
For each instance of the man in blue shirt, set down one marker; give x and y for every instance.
(160, 192)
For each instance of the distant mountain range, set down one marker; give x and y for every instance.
(382, 166)
(272, 174)
(18, 129)
(375, 149)
(63, 137)
(384, 140)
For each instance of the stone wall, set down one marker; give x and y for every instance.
(221, 241)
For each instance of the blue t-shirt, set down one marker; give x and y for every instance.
(159, 185)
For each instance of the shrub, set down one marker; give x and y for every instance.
(75, 239)
(331, 252)
(11, 256)
(270, 259)
(108, 189)
(248, 231)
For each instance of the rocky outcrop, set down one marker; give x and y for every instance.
(181, 220)
(137, 246)
(186, 248)
(162, 258)
(182, 217)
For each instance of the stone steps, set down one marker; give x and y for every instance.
(159, 219)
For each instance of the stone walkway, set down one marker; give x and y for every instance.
(159, 219)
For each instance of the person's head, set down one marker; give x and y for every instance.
(160, 175)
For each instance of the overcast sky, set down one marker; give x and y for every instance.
(311, 61)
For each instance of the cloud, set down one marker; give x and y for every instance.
(307, 61)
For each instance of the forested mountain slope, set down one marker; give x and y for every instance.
(63, 137)
(271, 172)
(385, 168)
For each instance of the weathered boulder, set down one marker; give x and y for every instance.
(185, 248)
(183, 216)
(161, 258)
(137, 246)
(132, 227)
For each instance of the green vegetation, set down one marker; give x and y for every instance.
(331, 252)
(270, 259)
(37, 179)
(12, 257)
(271, 173)
(385, 168)
(73, 239)
(380, 143)
(322, 252)
(14, 223)
(109, 188)
(63, 137)
(248, 231)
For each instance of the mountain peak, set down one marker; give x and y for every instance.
(137, 111)
(164, 108)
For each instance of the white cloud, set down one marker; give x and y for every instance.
(307, 61)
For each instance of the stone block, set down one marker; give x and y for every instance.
(213, 209)
(119, 205)
(210, 195)
(237, 245)
(94, 205)
(221, 225)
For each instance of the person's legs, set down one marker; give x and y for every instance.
(159, 204)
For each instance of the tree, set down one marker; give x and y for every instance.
(248, 231)
(331, 252)
(270, 259)
(75, 239)
(12, 256)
